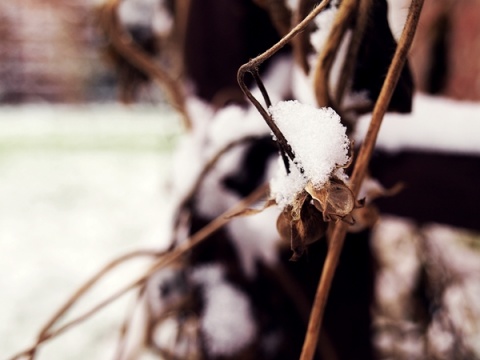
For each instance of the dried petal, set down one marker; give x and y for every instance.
(310, 227)
(334, 199)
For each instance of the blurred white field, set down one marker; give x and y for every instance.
(78, 186)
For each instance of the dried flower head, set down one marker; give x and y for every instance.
(313, 190)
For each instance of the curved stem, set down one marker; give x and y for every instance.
(348, 67)
(139, 59)
(300, 43)
(164, 260)
(252, 68)
(327, 57)
(340, 229)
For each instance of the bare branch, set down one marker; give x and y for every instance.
(340, 229)
(348, 9)
(358, 33)
(252, 68)
(142, 61)
(164, 259)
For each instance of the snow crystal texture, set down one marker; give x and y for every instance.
(319, 142)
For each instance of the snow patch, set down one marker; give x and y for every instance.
(319, 142)
(285, 187)
(436, 124)
(324, 22)
(227, 322)
(256, 239)
(232, 123)
(147, 13)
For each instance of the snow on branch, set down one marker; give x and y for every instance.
(319, 142)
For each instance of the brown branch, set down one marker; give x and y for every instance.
(210, 165)
(44, 332)
(340, 229)
(346, 12)
(182, 16)
(301, 42)
(252, 68)
(164, 260)
(125, 327)
(141, 60)
(358, 33)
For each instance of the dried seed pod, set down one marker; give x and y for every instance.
(334, 200)
(310, 227)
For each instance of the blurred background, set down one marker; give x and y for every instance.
(83, 177)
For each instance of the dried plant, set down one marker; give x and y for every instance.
(136, 62)
(319, 210)
(335, 199)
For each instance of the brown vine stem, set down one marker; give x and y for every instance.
(359, 172)
(364, 8)
(252, 68)
(346, 12)
(74, 298)
(300, 43)
(125, 328)
(211, 164)
(164, 260)
(139, 59)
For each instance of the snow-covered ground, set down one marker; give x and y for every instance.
(78, 186)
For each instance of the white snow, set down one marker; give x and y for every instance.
(397, 14)
(302, 86)
(213, 132)
(285, 187)
(394, 244)
(256, 239)
(436, 124)
(232, 123)
(439, 336)
(318, 140)
(148, 13)
(292, 4)
(461, 302)
(213, 198)
(324, 22)
(227, 320)
(277, 79)
(78, 187)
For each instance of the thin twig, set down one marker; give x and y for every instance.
(359, 172)
(163, 261)
(210, 165)
(182, 16)
(74, 298)
(300, 43)
(329, 52)
(126, 325)
(142, 61)
(361, 21)
(261, 87)
(253, 65)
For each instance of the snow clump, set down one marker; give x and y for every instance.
(319, 142)
(227, 320)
